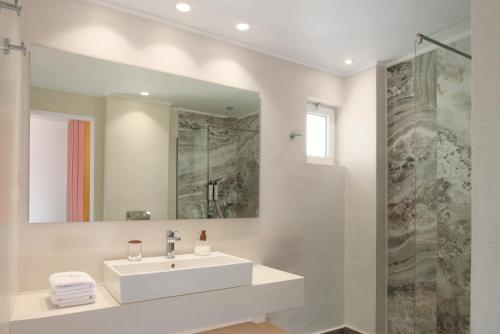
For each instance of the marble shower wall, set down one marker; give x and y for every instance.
(248, 170)
(222, 149)
(429, 193)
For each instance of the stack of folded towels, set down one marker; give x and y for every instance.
(72, 289)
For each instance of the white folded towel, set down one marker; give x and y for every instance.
(79, 303)
(58, 299)
(74, 301)
(72, 289)
(71, 281)
(69, 292)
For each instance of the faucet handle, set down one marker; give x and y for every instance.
(172, 234)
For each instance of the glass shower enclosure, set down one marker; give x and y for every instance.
(429, 188)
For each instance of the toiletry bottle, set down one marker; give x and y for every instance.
(202, 248)
(211, 190)
(216, 191)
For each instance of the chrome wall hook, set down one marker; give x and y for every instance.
(295, 133)
(7, 47)
(16, 6)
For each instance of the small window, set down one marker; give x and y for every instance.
(320, 133)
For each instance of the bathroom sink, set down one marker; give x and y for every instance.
(159, 277)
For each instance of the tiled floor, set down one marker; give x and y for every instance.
(248, 328)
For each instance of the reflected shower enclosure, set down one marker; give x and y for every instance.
(217, 166)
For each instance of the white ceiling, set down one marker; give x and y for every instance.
(318, 33)
(90, 76)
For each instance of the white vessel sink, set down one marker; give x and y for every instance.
(159, 277)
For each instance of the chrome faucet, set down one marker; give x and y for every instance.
(171, 239)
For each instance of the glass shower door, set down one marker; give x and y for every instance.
(442, 151)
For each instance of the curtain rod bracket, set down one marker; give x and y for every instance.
(16, 6)
(7, 47)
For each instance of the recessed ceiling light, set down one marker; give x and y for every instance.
(242, 26)
(145, 93)
(183, 7)
(349, 61)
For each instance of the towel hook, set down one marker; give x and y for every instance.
(295, 133)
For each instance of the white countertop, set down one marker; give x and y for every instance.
(36, 304)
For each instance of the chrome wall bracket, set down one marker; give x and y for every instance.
(421, 38)
(16, 6)
(7, 47)
(295, 133)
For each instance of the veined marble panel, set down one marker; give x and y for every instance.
(250, 122)
(429, 188)
(192, 162)
(401, 198)
(247, 157)
(223, 169)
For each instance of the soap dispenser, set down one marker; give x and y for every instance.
(202, 248)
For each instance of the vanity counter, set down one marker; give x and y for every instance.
(37, 304)
(271, 291)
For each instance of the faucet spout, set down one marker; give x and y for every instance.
(172, 238)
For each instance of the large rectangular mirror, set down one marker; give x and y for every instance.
(113, 142)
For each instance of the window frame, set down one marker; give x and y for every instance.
(321, 109)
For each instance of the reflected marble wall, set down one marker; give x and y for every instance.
(247, 159)
(429, 187)
(225, 150)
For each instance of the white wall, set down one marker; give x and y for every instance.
(301, 226)
(48, 167)
(485, 311)
(10, 111)
(360, 152)
(136, 156)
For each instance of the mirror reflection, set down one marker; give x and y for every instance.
(112, 142)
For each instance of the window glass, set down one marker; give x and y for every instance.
(320, 133)
(317, 135)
